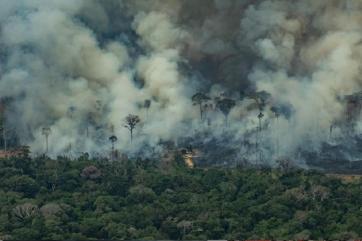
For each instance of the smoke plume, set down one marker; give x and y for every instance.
(81, 66)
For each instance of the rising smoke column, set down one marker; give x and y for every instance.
(69, 76)
(81, 66)
(309, 57)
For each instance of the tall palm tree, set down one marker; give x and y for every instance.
(260, 116)
(276, 112)
(225, 105)
(131, 122)
(199, 99)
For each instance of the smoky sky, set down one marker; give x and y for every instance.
(81, 66)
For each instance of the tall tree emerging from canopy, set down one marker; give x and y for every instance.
(131, 122)
(225, 105)
(199, 99)
(276, 111)
(260, 98)
(46, 132)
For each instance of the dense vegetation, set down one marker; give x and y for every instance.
(96, 199)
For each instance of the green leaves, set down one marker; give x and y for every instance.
(137, 200)
(23, 184)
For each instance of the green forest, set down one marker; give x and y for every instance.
(84, 199)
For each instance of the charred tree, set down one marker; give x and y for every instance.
(225, 105)
(199, 99)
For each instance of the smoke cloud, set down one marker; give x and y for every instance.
(81, 66)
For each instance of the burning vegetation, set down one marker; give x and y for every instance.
(243, 82)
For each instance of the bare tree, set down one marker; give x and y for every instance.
(261, 99)
(225, 105)
(25, 210)
(131, 122)
(258, 139)
(276, 112)
(199, 99)
(71, 110)
(46, 132)
(147, 105)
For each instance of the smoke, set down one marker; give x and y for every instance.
(80, 67)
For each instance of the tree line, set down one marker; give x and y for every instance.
(84, 199)
(203, 102)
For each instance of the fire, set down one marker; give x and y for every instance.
(188, 160)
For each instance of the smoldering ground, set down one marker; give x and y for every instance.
(81, 66)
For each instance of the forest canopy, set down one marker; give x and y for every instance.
(84, 199)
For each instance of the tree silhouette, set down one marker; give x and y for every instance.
(46, 132)
(147, 105)
(260, 116)
(225, 105)
(131, 122)
(276, 111)
(113, 140)
(261, 98)
(71, 111)
(198, 99)
(89, 121)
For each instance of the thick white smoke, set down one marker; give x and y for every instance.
(308, 71)
(80, 67)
